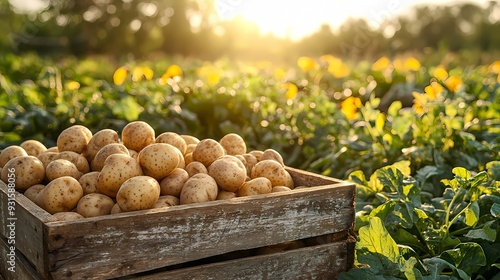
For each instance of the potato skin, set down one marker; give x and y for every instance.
(61, 167)
(173, 139)
(10, 153)
(33, 147)
(225, 195)
(60, 195)
(272, 170)
(172, 184)
(199, 188)
(189, 139)
(137, 135)
(158, 160)
(110, 149)
(67, 216)
(272, 154)
(47, 157)
(207, 151)
(195, 167)
(259, 185)
(229, 173)
(167, 201)
(88, 182)
(138, 193)
(33, 191)
(74, 138)
(100, 139)
(117, 169)
(78, 160)
(94, 204)
(28, 171)
(116, 209)
(233, 144)
(281, 189)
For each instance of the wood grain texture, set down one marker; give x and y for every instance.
(316, 262)
(29, 225)
(23, 269)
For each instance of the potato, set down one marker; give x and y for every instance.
(78, 160)
(172, 184)
(88, 181)
(67, 216)
(281, 189)
(99, 140)
(117, 169)
(233, 144)
(182, 162)
(33, 147)
(158, 160)
(289, 181)
(60, 195)
(27, 171)
(199, 188)
(272, 170)
(189, 149)
(272, 154)
(33, 191)
(47, 157)
(110, 149)
(74, 138)
(53, 149)
(61, 167)
(137, 135)
(173, 139)
(229, 173)
(260, 185)
(188, 158)
(195, 167)
(116, 209)
(225, 195)
(167, 201)
(207, 151)
(138, 193)
(189, 139)
(10, 153)
(250, 162)
(257, 154)
(94, 204)
(133, 153)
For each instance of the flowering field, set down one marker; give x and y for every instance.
(422, 142)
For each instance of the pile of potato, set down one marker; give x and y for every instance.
(90, 175)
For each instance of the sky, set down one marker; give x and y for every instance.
(296, 18)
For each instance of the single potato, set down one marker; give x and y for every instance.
(99, 140)
(88, 181)
(78, 160)
(33, 191)
(272, 154)
(167, 201)
(137, 135)
(158, 160)
(173, 139)
(190, 148)
(225, 195)
(229, 173)
(250, 162)
(60, 195)
(47, 157)
(172, 184)
(207, 151)
(10, 153)
(67, 216)
(199, 188)
(260, 185)
(272, 170)
(94, 204)
(189, 139)
(289, 181)
(195, 167)
(27, 171)
(110, 149)
(233, 144)
(257, 154)
(138, 193)
(116, 209)
(281, 189)
(61, 167)
(74, 138)
(117, 169)
(33, 147)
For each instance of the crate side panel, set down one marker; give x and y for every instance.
(21, 268)
(129, 243)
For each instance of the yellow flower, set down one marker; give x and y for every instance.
(419, 102)
(120, 75)
(440, 73)
(292, 90)
(399, 65)
(338, 68)
(306, 63)
(433, 90)
(350, 107)
(454, 83)
(495, 67)
(172, 71)
(412, 64)
(381, 64)
(141, 71)
(72, 85)
(210, 73)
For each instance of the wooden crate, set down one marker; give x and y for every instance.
(213, 240)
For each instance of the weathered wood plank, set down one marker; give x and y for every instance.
(316, 262)
(23, 269)
(112, 246)
(29, 222)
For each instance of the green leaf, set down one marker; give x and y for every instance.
(472, 214)
(461, 172)
(484, 233)
(480, 178)
(493, 168)
(403, 166)
(468, 257)
(377, 248)
(402, 236)
(127, 108)
(364, 273)
(436, 265)
(410, 271)
(383, 210)
(391, 177)
(495, 210)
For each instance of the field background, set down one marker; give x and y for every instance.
(408, 109)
